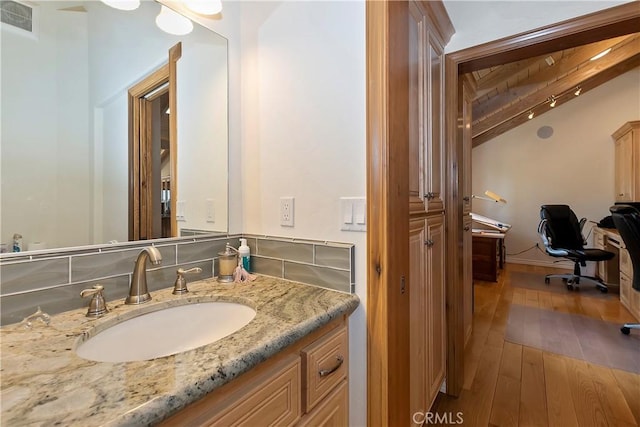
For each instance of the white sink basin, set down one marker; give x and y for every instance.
(166, 331)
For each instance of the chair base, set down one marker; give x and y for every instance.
(626, 329)
(573, 281)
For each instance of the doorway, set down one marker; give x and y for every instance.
(609, 23)
(153, 153)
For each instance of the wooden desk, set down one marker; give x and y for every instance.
(617, 270)
(487, 256)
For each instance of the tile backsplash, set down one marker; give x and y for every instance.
(53, 280)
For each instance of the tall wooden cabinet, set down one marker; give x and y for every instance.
(627, 162)
(426, 207)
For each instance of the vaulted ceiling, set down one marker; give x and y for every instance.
(506, 95)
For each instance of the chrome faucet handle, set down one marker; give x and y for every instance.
(180, 287)
(97, 305)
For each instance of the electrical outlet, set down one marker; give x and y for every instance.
(286, 211)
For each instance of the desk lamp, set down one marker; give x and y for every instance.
(491, 196)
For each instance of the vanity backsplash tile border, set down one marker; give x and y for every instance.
(53, 279)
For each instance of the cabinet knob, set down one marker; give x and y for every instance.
(430, 195)
(429, 243)
(621, 194)
(466, 198)
(467, 228)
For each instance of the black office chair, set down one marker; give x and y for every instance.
(561, 233)
(627, 221)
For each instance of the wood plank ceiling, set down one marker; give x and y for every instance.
(507, 94)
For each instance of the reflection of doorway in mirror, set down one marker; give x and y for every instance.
(152, 153)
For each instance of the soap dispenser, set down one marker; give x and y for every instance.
(227, 263)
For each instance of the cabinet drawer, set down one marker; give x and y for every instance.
(275, 402)
(333, 411)
(598, 240)
(625, 263)
(324, 365)
(625, 291)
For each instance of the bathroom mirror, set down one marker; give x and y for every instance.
(65, 134)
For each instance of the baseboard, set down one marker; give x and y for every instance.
(562, 264)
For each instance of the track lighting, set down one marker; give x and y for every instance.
(601, 54)
(553, 102)
(530, 115)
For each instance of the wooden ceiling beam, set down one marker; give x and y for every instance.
(584, 72)
(506, 71)
(511, 89)
(586, 85)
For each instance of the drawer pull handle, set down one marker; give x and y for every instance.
(327, 372)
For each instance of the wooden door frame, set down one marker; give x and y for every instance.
(141, 201)
(609, 23)
(388, 214)
(388, 342)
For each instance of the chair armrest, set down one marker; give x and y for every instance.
(583, 221)
(542, 231)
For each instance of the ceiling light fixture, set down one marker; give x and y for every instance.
(123, 4)
(204, 7)
(172, 22)
(552, 103)
(578, 90)
(531, 115)
(601, 54)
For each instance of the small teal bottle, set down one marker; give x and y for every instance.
(245, 254)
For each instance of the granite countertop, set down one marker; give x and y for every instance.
(43, 381)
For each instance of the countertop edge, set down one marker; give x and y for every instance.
(164, 406)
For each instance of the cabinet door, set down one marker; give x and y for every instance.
(426, 115)
(624, 168)
(433, 157)
(436, 315)
(333, 411)
(275, 402)
(417, 114)
(418, 363)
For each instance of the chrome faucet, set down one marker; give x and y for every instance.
(138, 292)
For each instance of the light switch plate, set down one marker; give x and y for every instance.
(181, 205)
(353, 214)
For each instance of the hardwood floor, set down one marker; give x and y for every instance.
(508, 384)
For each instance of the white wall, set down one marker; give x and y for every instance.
(481, 21)
(203, 120)
(575, 166)
(303, 133)
(44, 81)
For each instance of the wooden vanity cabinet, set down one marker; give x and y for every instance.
(303, 385)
